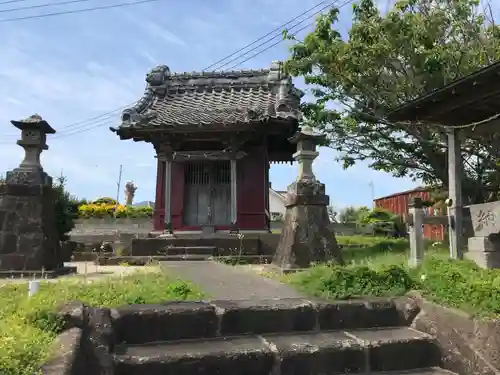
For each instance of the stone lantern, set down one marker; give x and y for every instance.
(29, 240)
(307, 141)
(33, 140)
(307, 236)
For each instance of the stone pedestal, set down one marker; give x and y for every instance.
(28, 236)
(484, 238)
(484, 251)
(29, 241)
(307, 234)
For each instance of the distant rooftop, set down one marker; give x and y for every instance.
(144, 204)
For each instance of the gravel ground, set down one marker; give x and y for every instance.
(91, 271)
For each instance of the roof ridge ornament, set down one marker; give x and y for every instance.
(158, 76)
(275, 71)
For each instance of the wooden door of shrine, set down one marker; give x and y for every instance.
(207, 198)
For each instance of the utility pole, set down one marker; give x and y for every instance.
(372, 190)
(118, 184)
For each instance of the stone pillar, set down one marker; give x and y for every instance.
(29, 240)
(416, 236)
(307, 236)
(234, 192)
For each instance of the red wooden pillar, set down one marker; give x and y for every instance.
(177, 200)
(159, 212)
(252, 190)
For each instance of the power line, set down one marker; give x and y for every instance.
(278, 29)
(276, 36)
(294, 34)
(96, 122)
(269, 47)
(42, 5)
(11, 2)
(120, 5)
(83, 129)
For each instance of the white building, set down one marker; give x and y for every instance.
(277, 204)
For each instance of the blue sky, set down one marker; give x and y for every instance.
(75, 67)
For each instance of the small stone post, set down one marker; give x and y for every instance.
(307, 234)
(28, 233)
(416, 222)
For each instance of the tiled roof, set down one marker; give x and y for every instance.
(230, 97)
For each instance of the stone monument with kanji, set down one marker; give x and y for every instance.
(29, 241)
(307, 235)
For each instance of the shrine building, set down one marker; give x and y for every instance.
(215, 135)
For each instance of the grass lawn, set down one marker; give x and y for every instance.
(379, 268)
(28, 326)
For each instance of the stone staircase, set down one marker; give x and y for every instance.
(188, 253)
(194, 244)
(264, 337)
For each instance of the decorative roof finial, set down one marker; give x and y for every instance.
(275, 71)
(158, 75)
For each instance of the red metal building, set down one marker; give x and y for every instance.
(398, 204)
(215, 136)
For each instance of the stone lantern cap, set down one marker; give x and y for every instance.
(34, 122)
(307, 139)
(306, 133)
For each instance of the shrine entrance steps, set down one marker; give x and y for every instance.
(287, 336)
(201, 246)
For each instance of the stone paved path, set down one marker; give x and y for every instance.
(224, 282)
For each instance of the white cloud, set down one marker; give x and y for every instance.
(154, 30)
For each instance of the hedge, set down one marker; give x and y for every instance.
(101, 210)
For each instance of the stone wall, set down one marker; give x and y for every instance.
(70, 356)
(470, 346)
(91, 227)
(111, 225)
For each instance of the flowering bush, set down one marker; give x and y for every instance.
(101, 210)
(104, 200)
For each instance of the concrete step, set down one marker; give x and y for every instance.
(141, 261)
(191, 250)
(420, 371)
(181, 257)
(305, 353)
(225, 245)
(140, 324)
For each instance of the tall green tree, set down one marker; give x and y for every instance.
(386, 60)
(65, 207)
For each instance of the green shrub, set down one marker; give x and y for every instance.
(461, 284)
(380, 269)
(102, 210)
(359, 248)
(336, 282)
(384, 222)
(104, 200)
